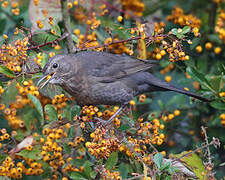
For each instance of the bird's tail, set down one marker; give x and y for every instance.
(164, 86)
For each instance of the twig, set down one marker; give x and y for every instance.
(151, 38)
(67, 30)
(215, 142)
(136, 177)
(48, 43)
(207, 149)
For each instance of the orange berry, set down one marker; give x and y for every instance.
(168, 79)
(208, 45)
(217, 50)
(120, 18)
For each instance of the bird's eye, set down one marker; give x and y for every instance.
(55, 65)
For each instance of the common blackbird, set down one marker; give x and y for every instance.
(100, 78)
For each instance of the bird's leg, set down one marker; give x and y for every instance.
(113, 116)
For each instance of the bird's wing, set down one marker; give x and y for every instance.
(107, 67)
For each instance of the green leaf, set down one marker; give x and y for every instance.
(38, 107)
(78, 162)
(71, 132)
(51, 112)
(199, 77)
(44, 60)
(165, 166)
(75, 39)
(4, 70)
(195, 42)
(217, 82)
(75, 110)
(193, 162)
(186, 29)
(218, 105)
(180, 35)
(123, 170)
(87, 169)
(112, 160)
(161, 104)
(36, 76)
(28, 118)
(124, 127)
(77, 176)
(67, 148)
(34, 154)
(174, 31)
(158, 159)
(57, 30)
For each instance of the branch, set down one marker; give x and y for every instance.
(48, 43)
(67, 30)
(150, 38)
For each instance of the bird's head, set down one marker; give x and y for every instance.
(55, 70)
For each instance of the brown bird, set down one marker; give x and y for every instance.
(100, 78)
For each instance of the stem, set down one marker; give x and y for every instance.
(212, 17)
(67, 30)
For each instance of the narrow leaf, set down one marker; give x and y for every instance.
(38, 107)
(4, 70)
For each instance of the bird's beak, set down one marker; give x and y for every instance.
(48, 77)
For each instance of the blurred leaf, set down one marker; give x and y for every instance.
(34, 154)
(180, 35)
(10, 94)
(123, 170)
(217, 82)
(214, 38)
(186, 29)
(4, 70)
(161, 104)
(75, 39)
(88, 170)
(218, 105)
(77, 176)
(51, 112)
(174, 31)
(57, 30)
(38, 106)
(28, 117)
(199, 77)
(158, 159)
(78, 162)
(193, 162)
(195, 42)
(44, 60)
(67, 148)
(112, 160)
(75, 110)
(36, 75)
(124, 127)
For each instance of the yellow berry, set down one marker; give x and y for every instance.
(132, 102)
(75, 3)
(158, 56)
(120, 18)
(168, 78)
(176, 112)
(217, 50)
(69, 5)
(208, 45)
(76, 31)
